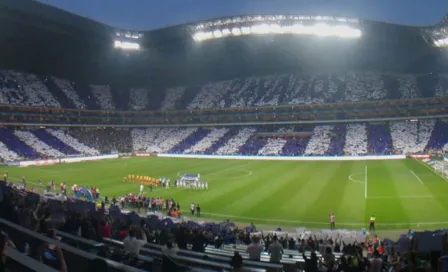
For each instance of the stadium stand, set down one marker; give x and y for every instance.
(75, 98)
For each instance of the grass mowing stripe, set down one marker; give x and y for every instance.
(330, 195)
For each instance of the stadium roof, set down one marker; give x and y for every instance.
(47, 40)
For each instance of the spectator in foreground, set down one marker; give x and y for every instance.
(169, 249)
(376, 264)
(237, 263)
(311, 264)
(275, 250)
(131, 244)
(255, 249)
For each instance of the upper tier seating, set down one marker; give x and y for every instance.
(25, 89)
(269, 90)
(103, 96)
(138, 99)
(67, 88)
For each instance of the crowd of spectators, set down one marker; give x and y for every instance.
(271, 90)
(406, 137)
(336, 250)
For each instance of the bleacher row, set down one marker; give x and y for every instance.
(283, 89)
(312, 140)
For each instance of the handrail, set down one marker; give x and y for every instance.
(70, 248)
(28, 262)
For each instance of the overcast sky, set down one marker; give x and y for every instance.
(153, 14)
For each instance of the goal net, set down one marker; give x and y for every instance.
(441, 167)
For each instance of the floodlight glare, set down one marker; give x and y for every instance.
(127, 45)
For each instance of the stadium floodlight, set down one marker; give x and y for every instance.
(441, 42)
(226, 32)
(236, 31)
(126, 45)
(320, 29)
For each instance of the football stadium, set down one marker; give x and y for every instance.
(245, 143)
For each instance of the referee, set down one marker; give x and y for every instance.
(372, 223)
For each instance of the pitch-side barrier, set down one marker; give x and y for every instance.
(285, 158)
(63, 160)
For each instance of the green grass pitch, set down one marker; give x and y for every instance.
(400, 194)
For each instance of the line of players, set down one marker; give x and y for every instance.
(195, 185)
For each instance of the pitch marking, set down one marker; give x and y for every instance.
(351, 177)
(417, 177)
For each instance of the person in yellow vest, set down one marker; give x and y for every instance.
(372, 223)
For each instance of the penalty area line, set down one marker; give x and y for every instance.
(417, 177)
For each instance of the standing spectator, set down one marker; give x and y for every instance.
(255, 249)
(132, 244)
(311, 263)
(275, 250)
(376, 264)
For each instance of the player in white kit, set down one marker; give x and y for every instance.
(141, 188)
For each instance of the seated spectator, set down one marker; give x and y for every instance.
(255, 249)
(131, 244)
(237, 263)
(52, 255)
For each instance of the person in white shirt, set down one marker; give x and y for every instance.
(132, 244)
(141, 188)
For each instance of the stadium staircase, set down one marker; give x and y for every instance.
(379, 139)
(336, 147)
(439, 136)
(15, 144)
(190, 141)
(54, 142)
(58, 93)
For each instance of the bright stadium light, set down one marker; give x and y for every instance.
(319, 29)
(127, 45)
(441, 42)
